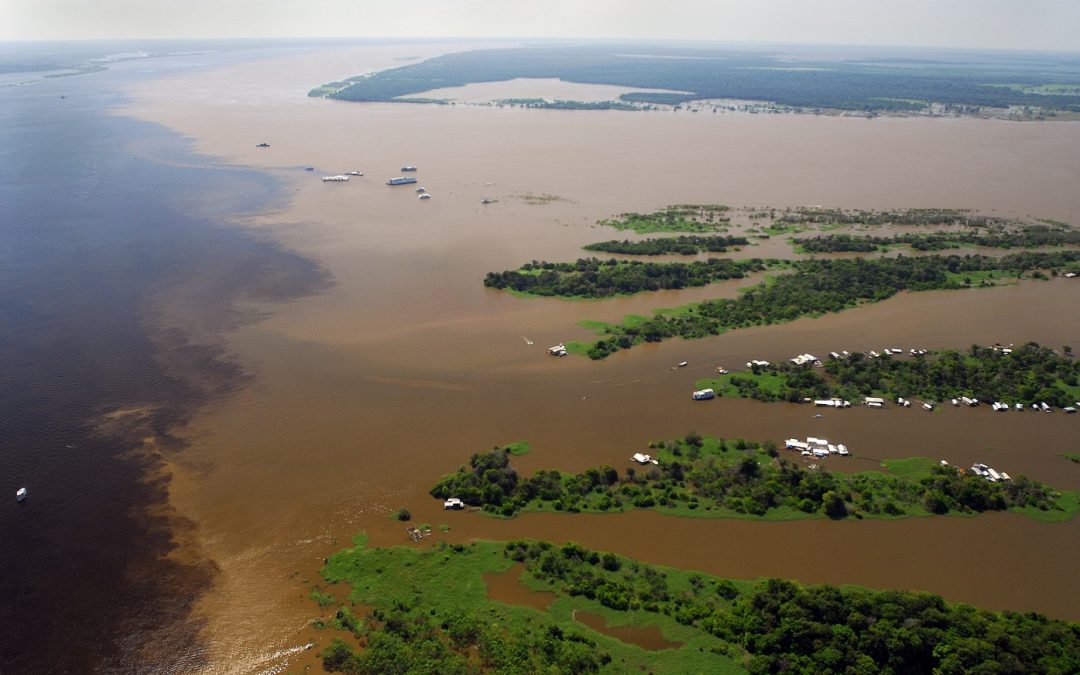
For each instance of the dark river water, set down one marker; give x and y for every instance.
(89, 234)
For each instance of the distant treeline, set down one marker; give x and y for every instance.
(681, 245)
(1029, 374)
(868, 84)
(595, 278)
(819, 286)
(1029, 236)
(544, 104)
(698, 475)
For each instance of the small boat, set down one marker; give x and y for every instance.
(408, 167)
(21, 494)
(425, 196)
(263, 145)
(683, 364)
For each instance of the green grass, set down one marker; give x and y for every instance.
(518, 448)
(448, 583)
(1068, 502)
(769, 383)
(1071, 456)
(989, 278)
(909, 468)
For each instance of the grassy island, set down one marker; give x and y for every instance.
(819, 286)
(595, 278)
(713, 478)
(432, 612)
(1026, 374)
(678, 218)
(681, 245)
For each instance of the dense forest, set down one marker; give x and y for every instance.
(713, 477)
(823, 285)
(681, 245)
(594, 278)
(1027, 374)
(861, 81)
(1029, 236)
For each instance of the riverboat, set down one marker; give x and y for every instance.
(401, 180)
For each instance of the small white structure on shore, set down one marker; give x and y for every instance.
(453, 504)
(643, 459)
(874, 402)
(802, 359)
(557, 350)
(756, 362)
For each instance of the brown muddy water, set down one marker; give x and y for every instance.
(647, 636)
(362, 395)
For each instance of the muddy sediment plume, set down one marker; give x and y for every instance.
(97, 573)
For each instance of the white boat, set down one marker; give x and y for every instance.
(453, 504)
(21, 494)
(425, 196)
(683, 364)
(704, 394)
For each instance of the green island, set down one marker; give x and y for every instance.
(595, 278)
(820, 286)
(681, 245)
(715, 478)
(1030, 236)
(922, 217)
(1028, 374)
(432, 611)
(677, 218)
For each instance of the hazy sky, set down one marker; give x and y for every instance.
(1012, 24)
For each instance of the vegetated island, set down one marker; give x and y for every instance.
(819, 286)
(680, 245)
(827, 218)
(799, 80)
(1028, 374)
(677, 218)
(433, 612)
(595, 278)
(713, 478)
(1031, 236)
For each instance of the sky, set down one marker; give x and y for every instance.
(1004, 24)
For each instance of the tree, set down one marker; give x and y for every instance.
(834, 505)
